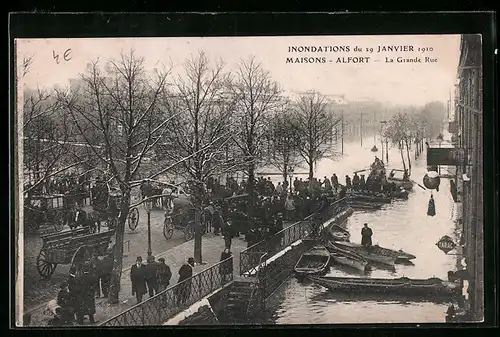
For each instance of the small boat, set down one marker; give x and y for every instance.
(386, 261)
(370, 197)
(314, 261)
(338, 233)
(347, 258)
(400, 286)
(374, 148)
(401, 194)
(399, 256)
(358, 205)
(399, 180)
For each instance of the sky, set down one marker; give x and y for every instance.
(414, 83)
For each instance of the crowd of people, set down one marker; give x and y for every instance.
(86, 282)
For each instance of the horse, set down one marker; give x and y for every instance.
(85, 217)
(148, 191)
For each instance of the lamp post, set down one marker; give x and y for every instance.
(382, 123)
(290, 173)
(148, 205)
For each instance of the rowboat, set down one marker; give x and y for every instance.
(401, 286)
(347, 258)
(358, 205)
(397, 255)
(387, 261)
(338, 233)
(401, 194)
(314, 261)
(399, 181)
(370, 197)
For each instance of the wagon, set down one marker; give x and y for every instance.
(70, 247)
(45, 210)
(182, 220)
(111, 213)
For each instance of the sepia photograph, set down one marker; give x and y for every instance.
(271, 180)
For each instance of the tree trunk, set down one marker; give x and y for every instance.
(402, 156)
(251, 178)
(310, 162)
(114, 287)
(408, 156)
(285, 171)
(197, 222)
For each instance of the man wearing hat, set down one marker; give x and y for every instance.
(185, 273)
(138, 279)
(163, 275)
(366, 236)
(66, 302)
(151, 279)
(86, 291)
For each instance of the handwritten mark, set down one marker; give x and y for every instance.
(66, 55)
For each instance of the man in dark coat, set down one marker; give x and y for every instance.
(366, 236)
(86, 291)
(95, 269)
(66, 302)
(347, 182)
(362, 182)
(105, 273)
(138, 279)
(163, 275)
(228, 233)
(226, 268)
(184, 289)
(151, 278)
(335, 181)
(355, 181)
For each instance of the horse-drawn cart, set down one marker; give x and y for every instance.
(182, 218)
(45, 210)
(70, 247)
(111, 211)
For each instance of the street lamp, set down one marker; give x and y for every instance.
(148, 205)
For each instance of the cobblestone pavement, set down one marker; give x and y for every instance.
(38, 291)
(212, 246)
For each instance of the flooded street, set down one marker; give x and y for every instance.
(399, 225)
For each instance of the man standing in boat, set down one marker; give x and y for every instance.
(366, 236)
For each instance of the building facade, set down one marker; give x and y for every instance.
(469, 113)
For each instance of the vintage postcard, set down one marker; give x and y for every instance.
(249, 180)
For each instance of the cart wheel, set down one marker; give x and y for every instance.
(82, 254)
(59, 221)
(44, 268)
(189, 231)
(133, 218)
(168, 228)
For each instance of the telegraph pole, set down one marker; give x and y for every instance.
(342, 113)
(361, 126)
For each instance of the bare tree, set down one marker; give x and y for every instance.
(47, 132)
(316, 124)
(118, 114)
(203, 130)
(284, 142)
(401, 132)
(256, 96)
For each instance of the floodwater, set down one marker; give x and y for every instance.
(399, 225)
